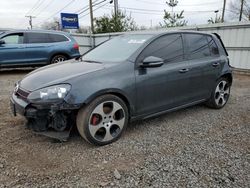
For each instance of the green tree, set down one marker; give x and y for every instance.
(172, 19)
(119, 23)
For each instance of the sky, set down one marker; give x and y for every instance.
(144, 12)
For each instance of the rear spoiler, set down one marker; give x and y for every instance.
(218, 36)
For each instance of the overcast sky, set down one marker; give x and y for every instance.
(12, 12)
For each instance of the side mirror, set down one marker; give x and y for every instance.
(2, 42)
(152, 61)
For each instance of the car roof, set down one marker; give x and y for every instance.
(37, 31)
(160, 32)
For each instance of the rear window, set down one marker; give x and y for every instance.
(58, 38)
(212, 46)
(197, 45)
(38, 38)
(45, 38)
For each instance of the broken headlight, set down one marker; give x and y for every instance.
(50, 94)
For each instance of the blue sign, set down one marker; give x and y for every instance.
(69, 21)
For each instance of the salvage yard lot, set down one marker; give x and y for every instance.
(194, 147)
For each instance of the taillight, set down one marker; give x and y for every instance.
(76, 46)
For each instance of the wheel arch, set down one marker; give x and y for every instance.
(115, 92)
(228, 76)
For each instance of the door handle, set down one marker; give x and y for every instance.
(183, 70)
(215, 64)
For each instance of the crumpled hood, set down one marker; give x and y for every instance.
(57, 73)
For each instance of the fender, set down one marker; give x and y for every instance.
(116, 92)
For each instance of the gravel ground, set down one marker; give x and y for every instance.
(194, 147)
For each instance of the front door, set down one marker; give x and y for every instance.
(164, 87)
(13, 52)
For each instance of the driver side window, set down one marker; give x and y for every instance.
(168, 47)
(16, 38)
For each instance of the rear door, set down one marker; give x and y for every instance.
(38, 47)
(164, 87)
(204, 64)
(13, 51)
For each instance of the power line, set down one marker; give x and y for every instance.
(94, 10)
(157, 11)
(44, 8)
(62, 8)
(86, 9)
(181, 5)
(37, 8)
(58, 11)
(37, 2)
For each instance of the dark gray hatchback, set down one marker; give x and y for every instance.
(130, 77)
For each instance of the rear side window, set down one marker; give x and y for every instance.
(38, 38)
(212, 46)
(15, 38)
(168, 47)
(197, 46)
(58, 38)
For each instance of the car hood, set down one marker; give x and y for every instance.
(57, 73)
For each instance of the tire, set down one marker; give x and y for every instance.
(220, 94)
(103, 121)
(58, 58)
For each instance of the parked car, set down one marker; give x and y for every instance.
(34, 48)
(130, 77)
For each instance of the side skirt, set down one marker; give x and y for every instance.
(146, 116)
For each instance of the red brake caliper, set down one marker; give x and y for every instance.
(95, 120)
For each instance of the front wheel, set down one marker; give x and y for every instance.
(103, 120)
(220, 94)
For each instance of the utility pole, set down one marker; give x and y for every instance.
(216, 16)
(241, 9)
(91, 16)
(223, 11)
(30, 20)
(58, 25)
(116, 7)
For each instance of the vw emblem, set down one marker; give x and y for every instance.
(16, 88)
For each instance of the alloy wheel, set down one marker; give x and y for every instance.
(106, 121)
(59, 59)
(222, 92)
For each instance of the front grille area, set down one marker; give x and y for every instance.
(22, 94)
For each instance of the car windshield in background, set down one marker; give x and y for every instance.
(117, 49)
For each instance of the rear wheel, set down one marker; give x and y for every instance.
(220, 94)
(103, 120)
(58, 58)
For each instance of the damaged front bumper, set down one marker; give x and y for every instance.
(53, 120)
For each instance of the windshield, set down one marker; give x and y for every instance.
(117, 49)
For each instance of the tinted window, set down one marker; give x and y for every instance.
(197, 45)
(58, 38)
(168, 47)
(38, 38)
(213, 47)
(16, 38)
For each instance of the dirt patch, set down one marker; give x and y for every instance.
(197, 147)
